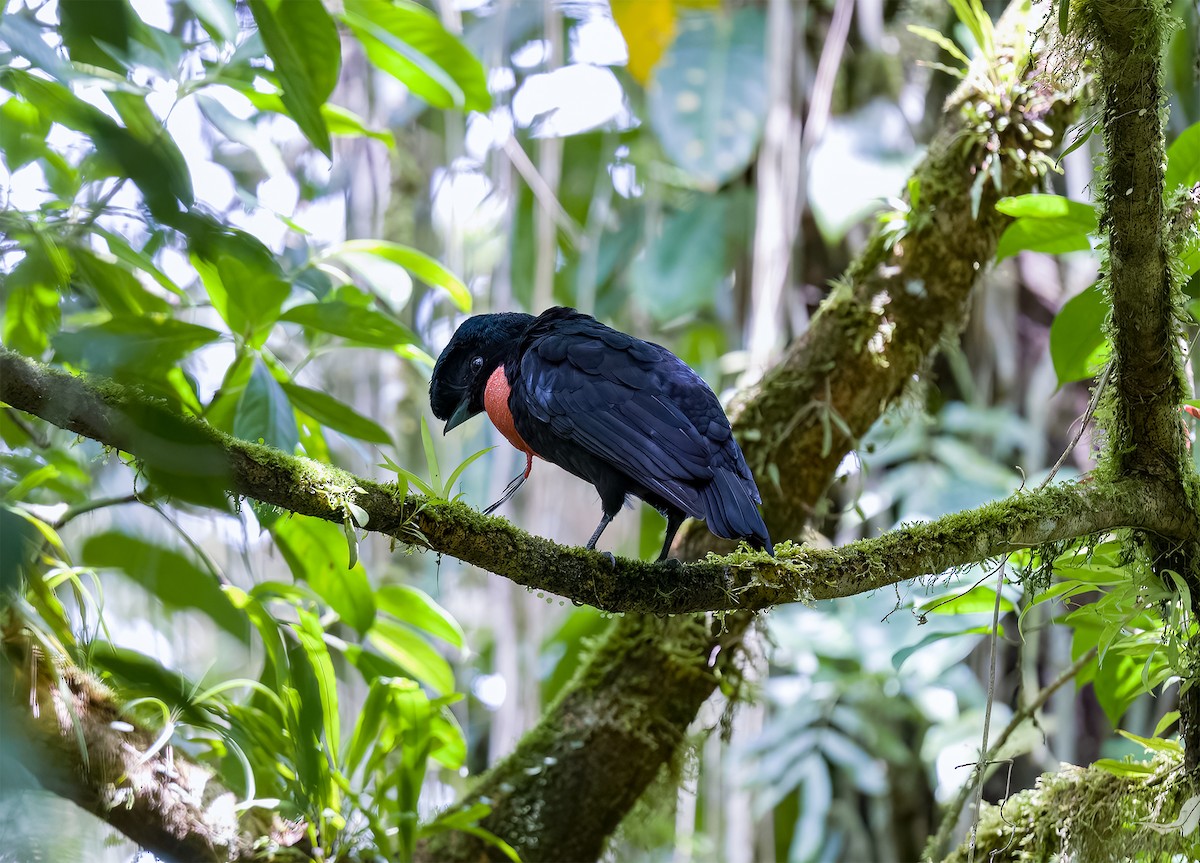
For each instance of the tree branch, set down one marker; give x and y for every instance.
(741, 581)
(86, 750)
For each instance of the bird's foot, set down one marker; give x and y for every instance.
(612, 558)
(672, 563)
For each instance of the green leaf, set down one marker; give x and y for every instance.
(31, 303)
(417, 608)
(351, 322)
(93, 30)
(312, 639)
(366, 727)
(412, 653)
(168, 575)
(977, 600)
(1078, 345)
(142, 344)
(117, 289)
(409, 42)
(1132, 769)
(342, 121)
(264, 414)
(1049, 207)
(23, 130)
(304, 46)
(707, 102)
(1154, 744)
(244, 282)
(315, 550)
(466, 463)
(337, 415)
(1183, 159)
(431, 460)
(419, 264)
(1045, 223)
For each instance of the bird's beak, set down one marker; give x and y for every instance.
(461, 414)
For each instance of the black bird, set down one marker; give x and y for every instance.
(626, 415)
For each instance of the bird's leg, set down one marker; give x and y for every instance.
(512, 487)
(674, 519)
(604, 522)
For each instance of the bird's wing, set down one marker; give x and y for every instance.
(631, 403)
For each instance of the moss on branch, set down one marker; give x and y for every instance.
(742, 580)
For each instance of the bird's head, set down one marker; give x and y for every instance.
(461, 373)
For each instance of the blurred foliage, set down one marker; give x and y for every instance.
(172, 218)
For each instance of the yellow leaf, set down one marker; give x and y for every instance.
(648, 27)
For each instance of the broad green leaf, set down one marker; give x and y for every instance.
(1183, 159)
(412, 653)
(708, 100)
(1050, 207)
(337, 415)
(419, 264)
(312, 639)
(1078, 345)
(97, 32)
(408, 42)
(1050, 235)
(244, 282)
(1154, 744)
(264, 414)
(304, 46)
(351, 322)
(168, 575)
(222, 410)
(142, 344)
(315, 550)
(142, 152)
(120, 249)
(417, 608)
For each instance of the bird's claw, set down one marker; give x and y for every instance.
(672, 563)
(610, 557)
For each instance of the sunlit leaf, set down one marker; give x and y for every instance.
(351, 322)
(417, 608)
(307, 54)
(413, 653)
(315, 550)
(337, 415)
(244, 282)
(408, 41)
(419, 264)
(312, 639)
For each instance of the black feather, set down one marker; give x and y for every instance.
(626, 415)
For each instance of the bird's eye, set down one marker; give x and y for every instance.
(477, 363)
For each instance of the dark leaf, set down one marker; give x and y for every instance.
(352, 322)
(264, 414)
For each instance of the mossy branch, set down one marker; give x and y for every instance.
(88, 750)
(737, 581)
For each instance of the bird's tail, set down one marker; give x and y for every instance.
(730, 508)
